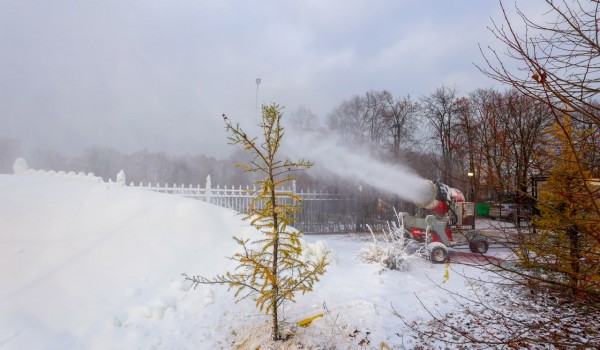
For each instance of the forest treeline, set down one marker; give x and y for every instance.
(499, 138)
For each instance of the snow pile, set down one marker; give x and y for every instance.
(20, 167)
(94, 266)
(81, 176)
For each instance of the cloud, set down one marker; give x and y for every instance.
(158, 75)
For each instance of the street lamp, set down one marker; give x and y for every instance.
(471, 191)
(258, 80)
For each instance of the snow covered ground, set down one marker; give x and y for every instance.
(91, 265)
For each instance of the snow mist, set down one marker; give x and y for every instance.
(358, 165)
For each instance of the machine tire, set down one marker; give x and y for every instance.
(479, 244)
(438, 253)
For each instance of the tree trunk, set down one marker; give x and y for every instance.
(275, 325)
(274, 283)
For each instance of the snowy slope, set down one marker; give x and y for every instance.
(79, 257)
(98, 266)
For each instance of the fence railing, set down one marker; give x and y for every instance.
(321, 212)
(237, 199)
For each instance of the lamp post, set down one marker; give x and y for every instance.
(471, 190)
(258, 80)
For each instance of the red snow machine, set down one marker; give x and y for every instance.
(431, 224)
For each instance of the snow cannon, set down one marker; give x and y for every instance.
(431, 224)
(440, 197)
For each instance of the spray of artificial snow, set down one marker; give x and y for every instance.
(356, 164)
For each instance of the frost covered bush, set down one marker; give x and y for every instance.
(314, 252)
(394, 251)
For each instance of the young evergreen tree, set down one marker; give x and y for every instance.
(270, 268)
(568, 239)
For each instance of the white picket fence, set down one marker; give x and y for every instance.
(321, 212)
(236, 198)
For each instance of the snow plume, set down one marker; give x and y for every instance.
(356, 164)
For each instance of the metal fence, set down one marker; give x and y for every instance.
(321, 212)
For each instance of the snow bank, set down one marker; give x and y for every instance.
(85, 264)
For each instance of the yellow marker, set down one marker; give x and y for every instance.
(447, 274)
(308, 321)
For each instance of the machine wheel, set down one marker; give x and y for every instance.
(438, 253)
(479, 244)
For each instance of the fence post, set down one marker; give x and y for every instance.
(121, 178)
(208, 192)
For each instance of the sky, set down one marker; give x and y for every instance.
(158, 75)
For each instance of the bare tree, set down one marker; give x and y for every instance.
(559, 57)
(441, 110)
(400, 116)
(303, 119)
(347, 120)
(499, 136)
(525, 121)
(468, 128)
(486, 158)
(364, 120)
(374, 114)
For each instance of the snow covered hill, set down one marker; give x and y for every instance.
(81, 259)
(98, 266)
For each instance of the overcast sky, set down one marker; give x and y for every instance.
(157, 75)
